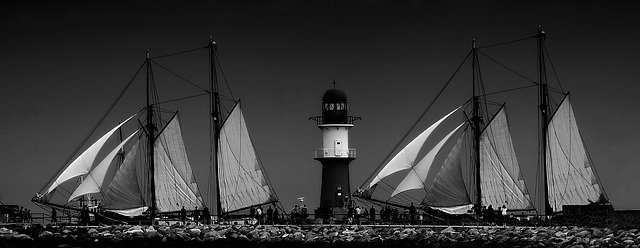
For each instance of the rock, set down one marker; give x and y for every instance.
(253, 234)
(45, 234)
(195, 231)
(134, 231)
(298, 236)
(23, 237)
(348, 232)
(448, 230)
(583, 233)
(243, 237)
(473, 231)
(628, 241)
(560, 234)
(597, 232)
(232, 235)
(4, 230)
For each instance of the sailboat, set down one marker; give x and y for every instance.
(147, 171)
(475, 163)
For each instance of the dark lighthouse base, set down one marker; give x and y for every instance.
(335, 191)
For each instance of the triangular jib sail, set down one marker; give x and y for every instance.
(84, 162)
(406, 157)
(570, 175)
(418, 174)
(242, 180)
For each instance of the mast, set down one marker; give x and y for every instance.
(214, 104)
(543, 100)
(150, 138)
(476, 119)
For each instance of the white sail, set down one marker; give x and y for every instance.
(406, 157)
(451, 184)
(570, 177)
(241, 179)
(130, 186)
(93, 182)
(83, 163)
(418, 174)
(501, 180)
(175, 185)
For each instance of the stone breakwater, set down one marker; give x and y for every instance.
(314, 236)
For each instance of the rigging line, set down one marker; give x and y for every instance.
(553, 68)
(95, 126)
(508, 90)
(508, 42)
(264, 174)
(415, 123)
(223, 97)
(224, 76)
(492, 103)
(180, 99)
(181, 77)
(593, 168)
(509, 69)
(179, 53)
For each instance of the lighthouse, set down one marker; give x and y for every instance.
(335, 153)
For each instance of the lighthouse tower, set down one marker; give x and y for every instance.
(335, 154)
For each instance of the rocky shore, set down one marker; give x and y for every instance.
(313, 236)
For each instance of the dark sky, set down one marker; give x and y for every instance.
(63, 63)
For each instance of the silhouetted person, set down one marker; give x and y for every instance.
(304, 212)
(490, 213)
(259, 214)
(270, 215)
(372, 214)
(252, 212)
(196, 215)
(412, 213)
(206, 215)
(350, 214)
(275, 216)
(183, 215)
(54, 216)
(84, 215)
